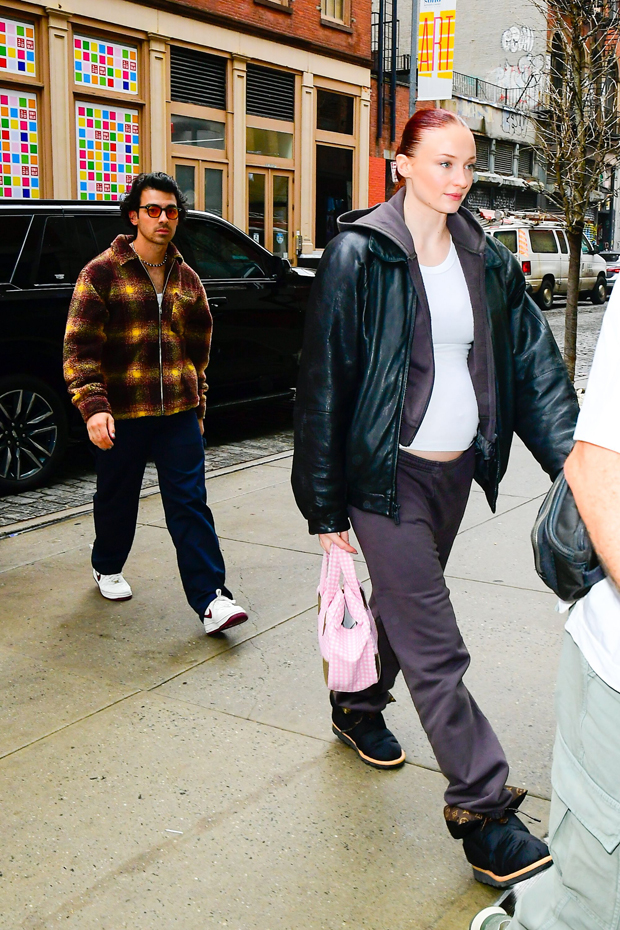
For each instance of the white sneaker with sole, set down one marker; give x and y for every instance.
(222, 613)
(113, 587)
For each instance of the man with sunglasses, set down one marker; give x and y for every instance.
(136, 347)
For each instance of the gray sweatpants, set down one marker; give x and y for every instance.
(418, 633)
(581, 890)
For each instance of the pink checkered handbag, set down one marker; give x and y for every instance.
(347, 630)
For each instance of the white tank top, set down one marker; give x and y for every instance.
(451, 420)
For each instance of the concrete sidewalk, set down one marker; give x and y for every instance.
(151, 777)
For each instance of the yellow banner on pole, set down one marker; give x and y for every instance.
(436, 49)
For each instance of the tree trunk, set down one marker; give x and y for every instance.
(572, 299)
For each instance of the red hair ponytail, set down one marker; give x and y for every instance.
(425, 121)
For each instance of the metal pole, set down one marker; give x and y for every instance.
(393, 70)
(380, 51)
(413, 65)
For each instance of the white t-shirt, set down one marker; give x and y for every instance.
(450, 423)
(594, 621)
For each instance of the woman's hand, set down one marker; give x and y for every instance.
(341, 540)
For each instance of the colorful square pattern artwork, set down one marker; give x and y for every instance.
(16, 46)
(20, 146)
(105, 64)
(108, 150)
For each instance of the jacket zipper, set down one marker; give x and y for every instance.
(403, 391)
(159, 315)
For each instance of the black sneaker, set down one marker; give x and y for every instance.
(504, 852)
(369, 736)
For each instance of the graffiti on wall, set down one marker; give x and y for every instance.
(518, 39)
(528, 72)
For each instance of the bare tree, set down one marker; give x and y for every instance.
(578, 122)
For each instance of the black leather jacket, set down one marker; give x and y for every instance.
(359, 376)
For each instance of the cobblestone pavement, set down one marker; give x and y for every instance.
(241, 436)
(589, 324)
(233, 438)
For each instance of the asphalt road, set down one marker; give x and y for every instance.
(241, 436)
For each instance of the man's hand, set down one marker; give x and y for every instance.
(201, 426)
(593, 475)
(341, 540)
(101, 430)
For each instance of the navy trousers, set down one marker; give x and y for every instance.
(175, 445)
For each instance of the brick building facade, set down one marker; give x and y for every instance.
(260, 108)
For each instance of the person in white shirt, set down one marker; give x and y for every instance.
(581, 891)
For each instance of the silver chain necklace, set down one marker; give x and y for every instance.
(144, 262)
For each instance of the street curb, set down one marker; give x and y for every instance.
(59, 516)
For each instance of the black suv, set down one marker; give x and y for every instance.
(257, 301)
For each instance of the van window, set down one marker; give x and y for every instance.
(585, 246)
(562, 240)
(12, 232)
(543, 241)
(508, 237)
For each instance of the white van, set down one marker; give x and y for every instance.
(542, 249)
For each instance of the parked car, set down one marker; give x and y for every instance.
(257, 300)
(612, 260)
(542, 249)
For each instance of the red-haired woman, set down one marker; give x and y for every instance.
(423, 353)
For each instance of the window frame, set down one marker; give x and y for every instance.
(328, 20)
(270, 161)
(98, 97)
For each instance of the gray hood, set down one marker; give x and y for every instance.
(388, 219)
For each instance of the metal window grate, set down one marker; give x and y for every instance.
(525, 162)
(270, 93)
(504, 152)
(483, 153)
(196, 77)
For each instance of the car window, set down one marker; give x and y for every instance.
(59, 259)
(508, 237)
(106, 227)
(87, 246)
(215, 251)
(562, 240)
(585, 246)
(12, 232)
(543, 241)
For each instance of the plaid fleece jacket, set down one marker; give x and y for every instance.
(119, 358)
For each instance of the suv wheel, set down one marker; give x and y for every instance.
(544, 297)
(598, 294)
(33, 433)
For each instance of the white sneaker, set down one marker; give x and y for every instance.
(222, 613)
(113, 587)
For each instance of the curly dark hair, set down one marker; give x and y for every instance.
(159, 181)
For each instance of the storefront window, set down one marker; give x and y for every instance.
(256, 206)
(20, 145)
(108, 150)
(105, 64)
(269, 142)
(213, 190)
(201, 133)
(334, 112)
(186, 179)
(17, 51)
(334, 185)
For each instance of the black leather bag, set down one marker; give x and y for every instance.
(564, 556)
